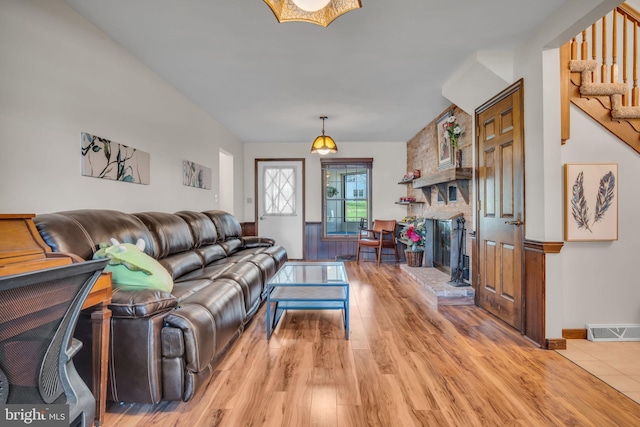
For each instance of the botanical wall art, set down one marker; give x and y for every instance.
(106, 159)
(591, 201)
(445, 151)
(195, 175)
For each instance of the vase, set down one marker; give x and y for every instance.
(458, 158)
(414, 258)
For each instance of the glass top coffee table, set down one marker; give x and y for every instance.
(307, 286)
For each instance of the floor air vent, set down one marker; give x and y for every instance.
(613, 332)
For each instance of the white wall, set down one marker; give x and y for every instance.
(389, 166)
(60, 76)
(572, 298)
(599, 279)
(586, 283)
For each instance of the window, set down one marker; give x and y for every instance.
(279, 190)
(453, 193)
(346, 196)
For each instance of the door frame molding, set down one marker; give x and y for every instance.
(514, 87)
(304, 195)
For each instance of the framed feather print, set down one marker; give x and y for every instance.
(590, 202)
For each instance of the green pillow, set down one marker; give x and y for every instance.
(131, 268)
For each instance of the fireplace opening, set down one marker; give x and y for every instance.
(445, 248)
(442, 245)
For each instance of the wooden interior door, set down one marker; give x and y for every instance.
(501, 206)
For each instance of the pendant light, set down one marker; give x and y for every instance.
(319, 12)
(324, 144)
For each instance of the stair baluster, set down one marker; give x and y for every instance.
(625, 97)
(603, 68)
(614, 48)
(634, 91)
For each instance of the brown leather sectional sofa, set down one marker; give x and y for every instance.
(164, 346)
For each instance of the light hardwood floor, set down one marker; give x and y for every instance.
(407, 364)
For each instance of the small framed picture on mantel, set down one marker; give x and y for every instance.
(445, 151)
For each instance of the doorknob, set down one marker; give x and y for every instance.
(261, 218)
(517, 222)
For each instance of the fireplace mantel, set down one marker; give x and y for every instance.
(461, 176)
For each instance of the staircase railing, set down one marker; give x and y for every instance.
(597, 64)
(629, 18)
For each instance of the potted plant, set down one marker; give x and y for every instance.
(415, 235)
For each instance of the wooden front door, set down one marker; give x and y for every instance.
(501, 206)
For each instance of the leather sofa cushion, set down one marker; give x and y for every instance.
(266, 264)
(180, 264)
(184, 289)
(249, 277)
(231, 246)
(209, 272)
(133, 304)
(278, 253)
(256, 242)
(211, 253)
(172, 234)
(202, 228)
(224, 302)
(81, 231)
(227, 225)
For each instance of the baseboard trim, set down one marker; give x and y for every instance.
(556, 344)
(574, 334)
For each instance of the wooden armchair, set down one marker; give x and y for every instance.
(381, 236)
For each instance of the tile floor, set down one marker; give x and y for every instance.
(615, 363)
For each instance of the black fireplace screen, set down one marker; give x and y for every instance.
(442, 245)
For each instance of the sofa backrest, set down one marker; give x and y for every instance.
(174, 241)
(229, 230)
(202, 228)
(170, 232)
(81, 231)
(205, 236)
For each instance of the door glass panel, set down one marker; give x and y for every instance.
(280, 191)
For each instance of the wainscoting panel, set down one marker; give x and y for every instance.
(534, 286)
(248, 228)
(317, 249)
(323, 250)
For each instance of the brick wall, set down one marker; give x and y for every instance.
(422, 153)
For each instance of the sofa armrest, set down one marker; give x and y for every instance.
(256, 242)
(132, 304)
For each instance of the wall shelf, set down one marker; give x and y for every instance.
(409, 203)
(461, 176)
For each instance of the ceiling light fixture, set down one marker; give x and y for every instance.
(320, 12)
(324, 144)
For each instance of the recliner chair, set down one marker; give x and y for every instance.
(38, 314)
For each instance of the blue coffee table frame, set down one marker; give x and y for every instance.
(308, 286)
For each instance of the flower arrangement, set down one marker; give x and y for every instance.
(453, 131)
(416, 234)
